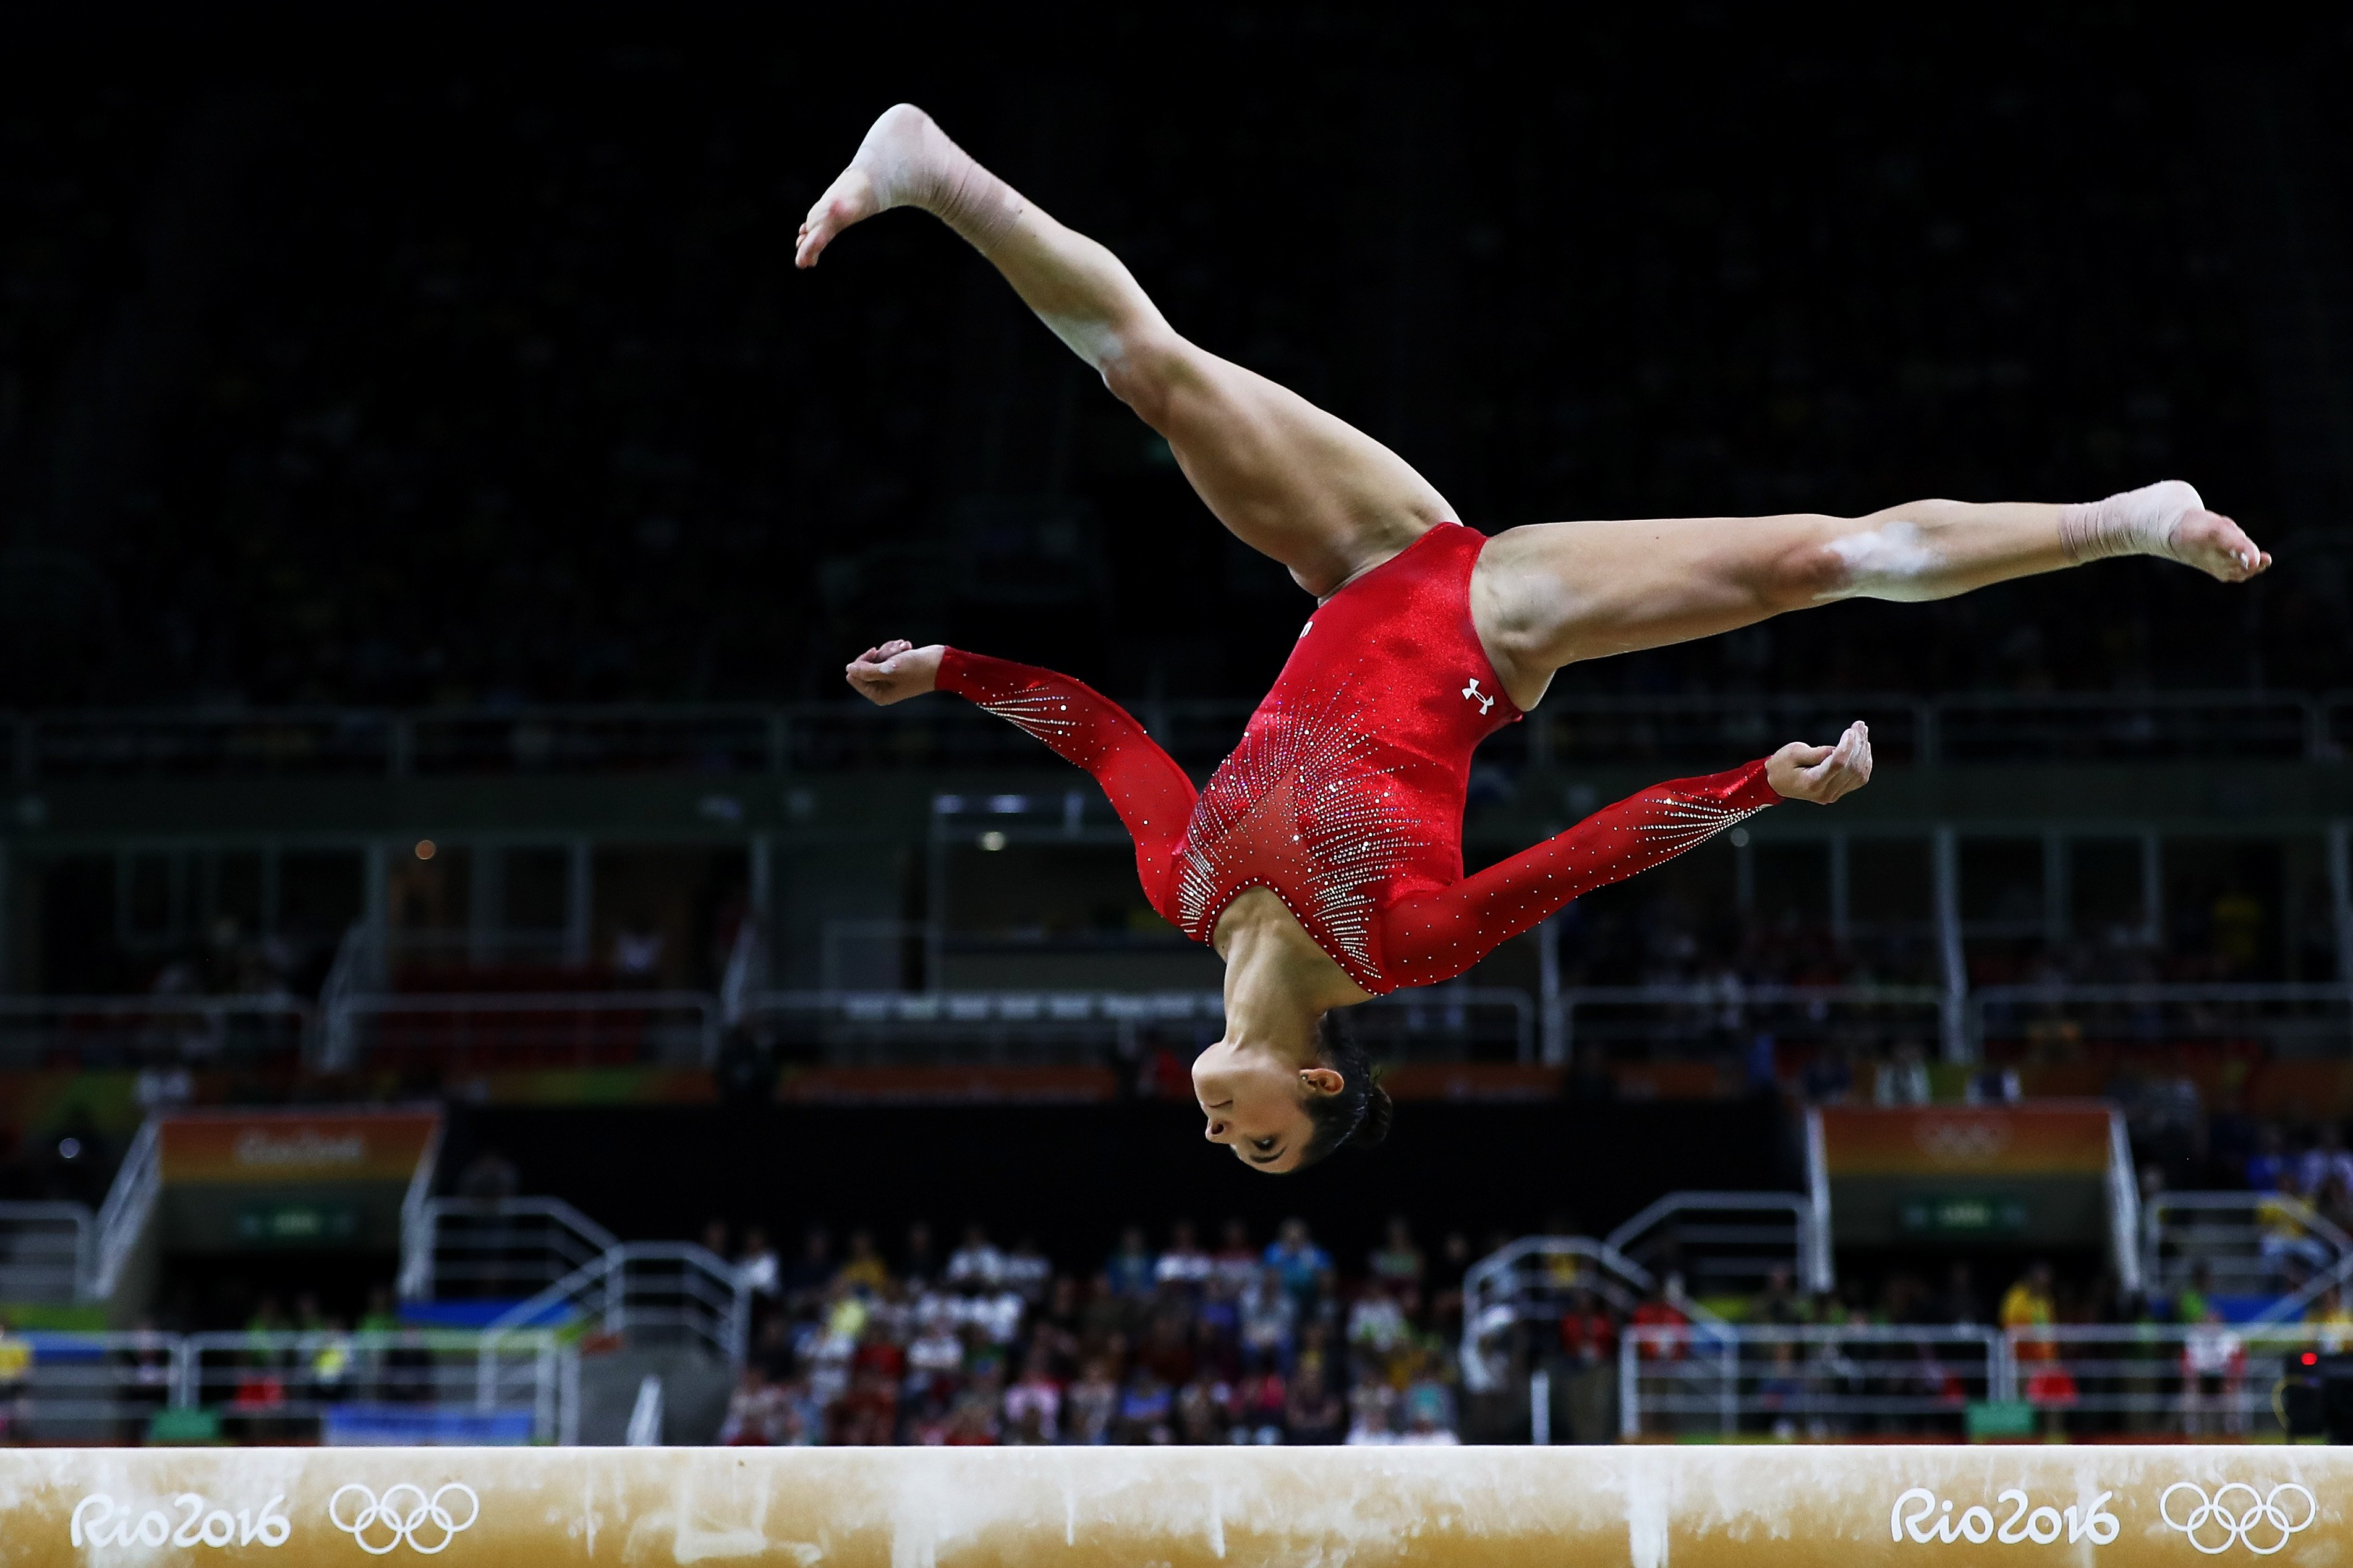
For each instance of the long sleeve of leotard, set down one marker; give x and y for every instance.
(1152, 794)
(1428, 937)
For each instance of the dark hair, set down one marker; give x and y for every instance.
(1359, 1114)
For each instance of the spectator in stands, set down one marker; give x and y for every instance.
(2213, 1373)
(1090, 1404)
(1305, 1269)
(1129, 1272)
(2328, 1160)
(805, 1282)
(975, 1266)
(1429, 1414)
(1589, 1337)
(1028, 1272)
(1184, 1268)
(1314, 1414)
(1372, 1408)
(1377, 1324)
(756, 1266)
(750, 1410)
(1269, 1318)
(1236, 1263)
(1903, 1078)
(1201, 1411)
(16, 1379)
(1665, 1323)
(2191, 1303)
(2334, 1319)
(922, 1265)
(1261, 1405)
(2286, 1242)
(973, 1423)
(1147, 1407)
(714, 1238)
(863, 1270)
(1777, 1304)
(1033, 1405)
(1397, 1262)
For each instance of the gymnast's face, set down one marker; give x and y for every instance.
(1256, 1103)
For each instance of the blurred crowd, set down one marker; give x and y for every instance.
(1197, 1340)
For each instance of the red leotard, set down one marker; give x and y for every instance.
(1345, 795)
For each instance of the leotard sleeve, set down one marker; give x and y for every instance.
(1428, 937)
(1152, 794)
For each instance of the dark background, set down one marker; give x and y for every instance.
(431, 356)
(1072, 1176)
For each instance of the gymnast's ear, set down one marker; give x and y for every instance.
(1322, 1080)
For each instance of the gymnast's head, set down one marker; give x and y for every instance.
(1280, 1114)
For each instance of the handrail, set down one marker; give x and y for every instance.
(130, 1204)
(1811, 1265)
(420, 1246)
(416, 1222)
(1719, 1388)
(1484, 1316)
(20, 1214)
(606, 1280)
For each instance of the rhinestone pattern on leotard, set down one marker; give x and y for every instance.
(1305, 808)
(1345, 797)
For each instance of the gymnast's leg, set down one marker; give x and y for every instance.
(1551, 594)
(1291, 480)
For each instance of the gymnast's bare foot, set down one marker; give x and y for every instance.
(907, 161)
(894, 671)
(2218, 547)
(2165, 519)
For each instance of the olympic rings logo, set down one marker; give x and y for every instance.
(2256, 1525)
(392, 1524)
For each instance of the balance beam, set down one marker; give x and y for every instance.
(1126, 1508)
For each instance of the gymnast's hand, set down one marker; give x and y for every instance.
(897, 670)
(1822, 774)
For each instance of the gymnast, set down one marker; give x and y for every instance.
(1323, 860)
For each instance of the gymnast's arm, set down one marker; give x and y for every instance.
(1152, 794)
(1435, 936)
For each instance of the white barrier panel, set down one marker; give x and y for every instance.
(1119, 1508)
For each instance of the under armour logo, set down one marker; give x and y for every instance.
(1473, 694)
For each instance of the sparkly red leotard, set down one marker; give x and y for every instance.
(1345, 795)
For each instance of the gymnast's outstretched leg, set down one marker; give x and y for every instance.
(1290, 479)
(1551, 594)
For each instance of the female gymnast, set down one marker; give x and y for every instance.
(1323, 860)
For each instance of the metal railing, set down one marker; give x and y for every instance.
(499, 1249)
(570, 1027)
(816, 737)
(2249, 1243)
(1531, 1280)
(1816, 1381)
(658, 1292)
(129, 1209)
(85, 1388)
(1732, 1241)
(2200, 1379)
(46, 1252)
(414, 1385)
(403, 1385)
(139, 1031)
